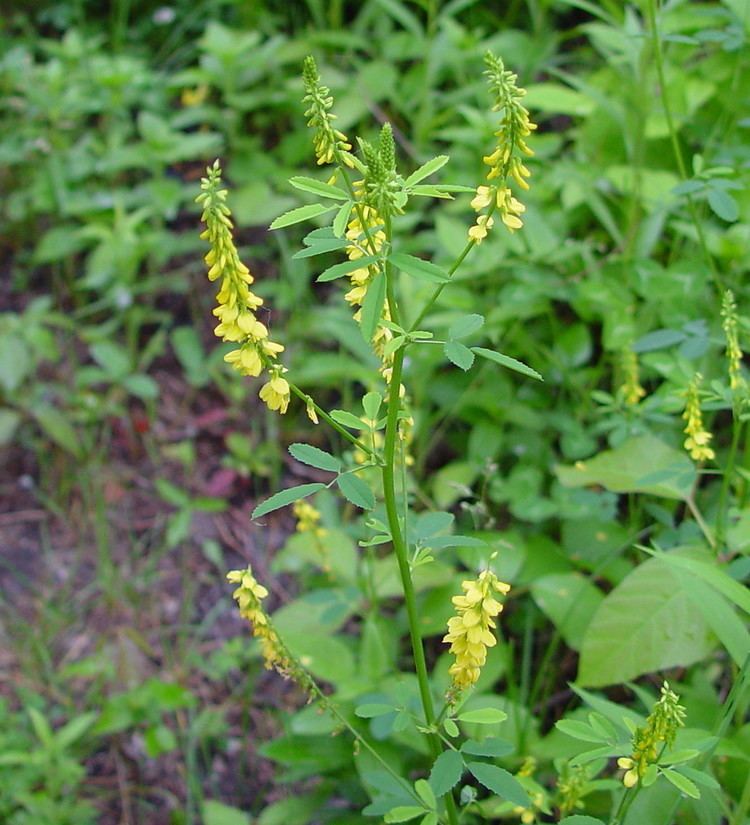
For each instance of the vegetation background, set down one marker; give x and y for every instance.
(132, 458)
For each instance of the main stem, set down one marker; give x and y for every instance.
(399, 544)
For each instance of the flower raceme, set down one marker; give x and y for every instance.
(505, 161)
(470, 630)
(665, 719)
(237, 304)
(327, 141)
(698, 438)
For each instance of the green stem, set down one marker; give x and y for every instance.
(397, 536)
(303, 396)
(659, 60)
(705, 529)
(721, 521)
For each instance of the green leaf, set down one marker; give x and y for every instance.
(342, 219)
(112, 358)
(646, 623)
(419, 268)
(9, 421)
(569, 600)
(580, 819)
(723, 205)
(316, 187)
(320, 248)
(643, 464)
(338, 270)
(483, 716)
(425, 170)
(371, 405)
(464, 327)
(217, 813)
(430, 819)
(493, 746)
(356, 491)
(712, 575)
(302, 213)
(372, 306)
(458, 354)
(370, 710)
(451, 728)
(286, 497)
(682, 783)
(425, 793)
(346, 419)
(314, 457)
(580, 730)
(55, 425)
(501, 782)
(403, 813)
(446, 772)
(507, 361)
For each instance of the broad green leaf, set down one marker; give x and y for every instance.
(499, 781)
(507, 361)
(315, 457)
(430, 819)
(446, 772)
(682, 783)
(465, 326)
(493, 746)
(554, 97)
(483, 716)
(403, 813)
(286, 497)
(569, 600)
(647, 623)
(419, 268)
(56, 425)
(580, 730)
(302, 213)
(425, 170)
(372, 306)
(580, 819)
(719, 615)
(458, 354)
(714, 576)
(370, 710)
(425, 793)
(326, 657)
(643, 464)
(659, 339)
(316, 187)
(723, 205)
(217, 813)
(356, 491)
(338, 270)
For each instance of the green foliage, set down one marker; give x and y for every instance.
(627, 559)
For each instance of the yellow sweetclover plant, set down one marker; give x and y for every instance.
(364, 195)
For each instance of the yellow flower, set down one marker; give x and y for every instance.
(733, 349)
(479, 231)
(308, 518)
(249, 595)
(698, 439)
(666, 717)
(236, 303)
(470, 631)
(275, 393)
(631, 389)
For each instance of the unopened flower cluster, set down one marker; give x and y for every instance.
(734, 352)
(698, 437)
(631, 389)
(660, 730)
(236, 303)
(470, 630)
(327, 140)
(505, 162)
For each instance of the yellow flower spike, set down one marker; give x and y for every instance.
(733, 349)
(236, 303)
(308, 518)
(504, 161)
(698, 438)
(469, 633)
(249, 595)
(631, 389)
